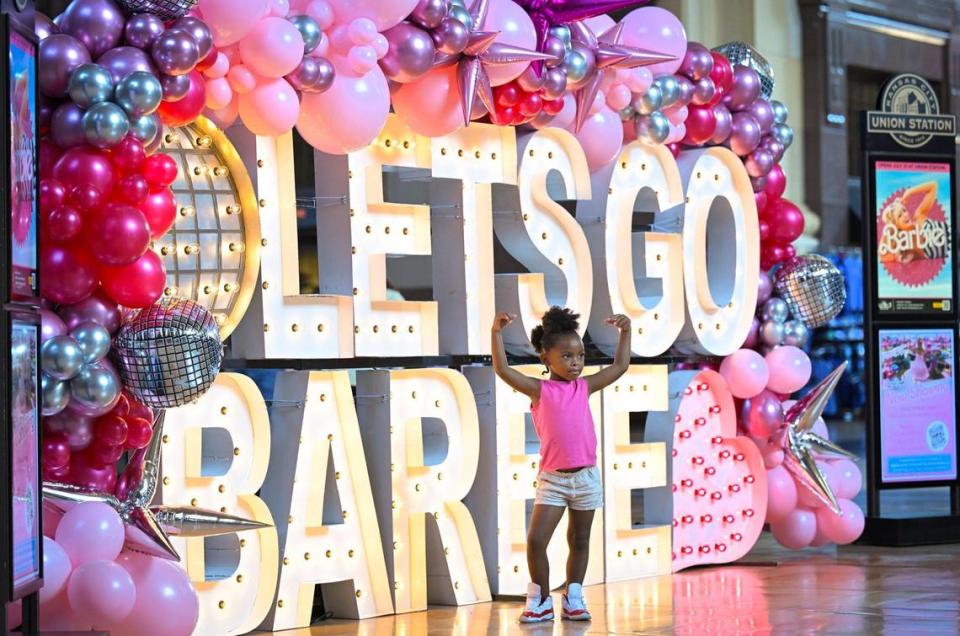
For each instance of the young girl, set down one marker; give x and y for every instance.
(569, 477)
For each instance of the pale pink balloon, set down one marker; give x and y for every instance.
(219, 67)
(431, 104)
(241, 79)
(166, 600)
(746, 373)
(639, 80)
(319, 10)
(656, 29)
(601, 138)
(229, 20)
(362, 31)
(362, 59)
(796, 530)
(820, 539)
(90, 532)
(101, 593)
(273, 49)
(677, 115)
(845, 527)
(772, 456)
(384, 13)
(849, 478)
(381, 45)
(279, 8)
(219, 93)
(789, 369)
(56, 569)
(271, 109)
(348, 116)
(782, 494)
(228, 115)
(619, 97)
(601, 23)
(516, 29)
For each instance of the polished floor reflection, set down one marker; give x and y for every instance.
(854, 590)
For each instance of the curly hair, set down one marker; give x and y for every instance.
(558, 321)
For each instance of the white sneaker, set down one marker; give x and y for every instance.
(536, 611)
(574, 608)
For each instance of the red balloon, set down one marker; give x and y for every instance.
(56, 474)
(111, 429)
(138, 409)
(507, 94)
(183, 111)
(531, 105)
(133, 189)
(53, 194)
(56, 450)
(138, 284)
(553, 107)
(764, 230)
(50, 153)
(776, 183)
(160, 210)
(701, 124)
(139, 432)
(128, 155)
(786, 221)
(117, 234)
(208, 61)
(62, 224)
(85, 166)
(771, 254)
(84, 197)
(160, 170)
(122, 408)
(67, 274)
(722, 76)
(105, 454)
(761, 200)
(674, 149)
(88, 473)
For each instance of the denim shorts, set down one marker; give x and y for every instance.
(581, 490)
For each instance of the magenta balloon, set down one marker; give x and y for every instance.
(762, 416)
(744, 134)
(117, 234)
(142, 30)
(410, 55)
(176, 52)
(98, 24)
(773, 146)
(199, 31)
(776, 183)
(50, 325)
(79, 431)
(68, 274)
(724, 124)
(697, 63)
(165, 597)
(43, 26)
(85, 166)
(758, 183)
(101, 592)
(758, 163)
(66, 126)
(97, 308)
(686, 91)
(764, 289)
(56, 568)
(124, 60)
(175, 87)
(745, 89)
(60, 54)
(90, 531)
(763, 113)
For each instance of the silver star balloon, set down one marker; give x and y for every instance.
(148, 527)
(800, 443)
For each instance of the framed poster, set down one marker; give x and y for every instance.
(21, 193)
(23, 403)
(917, 395)
(914, 261)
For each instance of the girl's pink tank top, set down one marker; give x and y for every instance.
(564, 424)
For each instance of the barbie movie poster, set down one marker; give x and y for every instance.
(914, 243)
(25, 423)
(917, 408)
(23, 200)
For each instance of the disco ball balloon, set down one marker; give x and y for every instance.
(169, 353)
(166, 9)
(745, 55)
(813, 288)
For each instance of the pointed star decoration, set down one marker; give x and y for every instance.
(147, 527)
(482, 51)
(609, 53)
(800, 443)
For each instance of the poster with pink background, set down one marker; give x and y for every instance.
(25, 422)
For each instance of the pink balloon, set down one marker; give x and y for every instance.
(57, 615)
(348, 116)
(271, 109)
(656, 29)
(601, 138)
(796, 530)
(848, 477)
(101, 592)
(279, 8)
(56, 569)
(746, 373)
(362, 59)
(97, 308)
(166, 600)
(516, 29)
(226, 116)
(219, 67)
(219, 93)
(384, 13)
(772, 456)
(776, 183)
(230, 21)
(431, 104)
(845, 527)
(782, 494)
(273, 49)
(789, 369)
(319, 10)
(50, 325)
(90, 532)
(241, 79)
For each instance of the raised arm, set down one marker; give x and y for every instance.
(621, 360)
(523, 383)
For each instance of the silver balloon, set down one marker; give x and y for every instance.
(90, 84)
(782, 133)
(93, 339)
(627, 113)
(650, 101)
(96, 388)
(813, 288)
(139, 93)
(772, 333)
(563, 33)
(795, 333)
(578, 65)
(170, 353)
(309, 29)
(145, 128)
(56, 394)
(61, 357)
(105, 125)
(775, 309)
(460, 14)
(430, 13)
(654, 127)
(780, 111)
(669, 90)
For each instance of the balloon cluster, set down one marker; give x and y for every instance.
(75, 372)
(91, 581)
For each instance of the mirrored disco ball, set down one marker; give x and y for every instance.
(165, 9)
(169, 354)
(745, 55)
(813, 288)
(212, 253)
